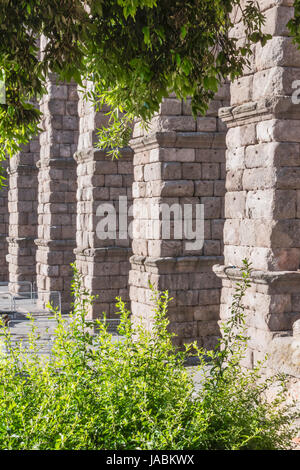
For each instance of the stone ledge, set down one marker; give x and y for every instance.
(183, 263)
(180, 140)
(55, 243)
(109, 252)
(280, 107)
(263, 277)
(22, 170)
(93, 154)
(20, 241)
(62, 162)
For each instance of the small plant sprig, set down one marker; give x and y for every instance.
(233, 342)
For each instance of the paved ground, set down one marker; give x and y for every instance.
(14, 309)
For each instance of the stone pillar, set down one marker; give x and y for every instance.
(180, 161)
(3, 227)
(57, 190)
(22, 207)
(101, 180)
(262, 204)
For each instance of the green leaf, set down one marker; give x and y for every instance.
(146, 31)
(183, 32)
(211, 83)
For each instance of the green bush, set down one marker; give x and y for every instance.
(94, 393)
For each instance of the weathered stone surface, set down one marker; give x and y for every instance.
(4, 222)
(104, 263)
(55, 238)
(262, 200)
(190, 169)
(22, 208)
(180, 160)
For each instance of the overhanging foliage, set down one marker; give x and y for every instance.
(135, 51)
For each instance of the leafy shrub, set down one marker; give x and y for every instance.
(95, 393)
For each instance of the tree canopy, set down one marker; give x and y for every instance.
(136, 52)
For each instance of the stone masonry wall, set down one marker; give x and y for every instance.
(262, 204)
(179, 161)
(57, 190)
(3, 227)
(104, 263)
(22, 207)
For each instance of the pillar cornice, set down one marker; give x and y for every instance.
(95, 154)
(19, 240)
(190, 262)
(57, 244)
(172, 139)
(106, 253)
(260, 277)
(20, 169)
(276, 107)
(62, 162)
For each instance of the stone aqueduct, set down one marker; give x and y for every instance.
(242, 161)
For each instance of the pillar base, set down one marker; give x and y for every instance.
(21, 259)
(105, 275)
(54, 272)
(272, 306)
(195, 289)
